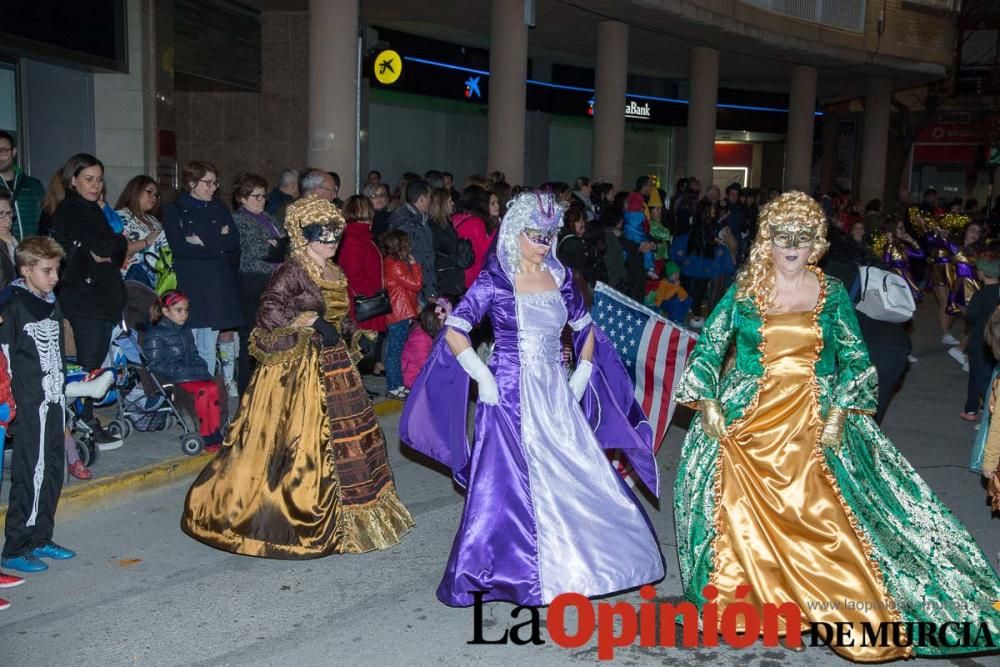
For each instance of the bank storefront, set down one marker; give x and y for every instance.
(434, 113)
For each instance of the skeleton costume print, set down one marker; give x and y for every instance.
(31, 337)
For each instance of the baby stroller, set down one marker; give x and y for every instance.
(147, 403)
(118, 427)
(81, 432)
(116, 364)
(95, 385)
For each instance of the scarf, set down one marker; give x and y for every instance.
(114, 220)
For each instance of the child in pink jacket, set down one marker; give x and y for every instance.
(421, 339)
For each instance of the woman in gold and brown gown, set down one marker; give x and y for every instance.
(304, 469)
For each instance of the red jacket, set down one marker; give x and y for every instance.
(472, 227)
(403, 281)
(361, 262)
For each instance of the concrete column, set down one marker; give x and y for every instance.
(333, 81)
(875, 143)
(828, 165)
(508, 74)
(701, 113)
(610, 79)
(799, 137)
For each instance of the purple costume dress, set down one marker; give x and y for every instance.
(964, 282)
(545, 512)
(898, 255)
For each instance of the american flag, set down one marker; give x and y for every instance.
(653, 348)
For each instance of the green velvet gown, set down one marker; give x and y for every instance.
(829, 529)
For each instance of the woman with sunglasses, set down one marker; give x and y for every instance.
(304, 469)
(206, 246)
(545, 511)
(137, 206)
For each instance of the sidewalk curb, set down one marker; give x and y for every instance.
(78, 498)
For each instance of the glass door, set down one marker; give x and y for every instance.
(8, 97)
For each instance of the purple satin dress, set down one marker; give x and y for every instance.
(964, 280)
(898, 255)
(545, 511)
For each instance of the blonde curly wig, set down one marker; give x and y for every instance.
(791, 209)
(303, 213)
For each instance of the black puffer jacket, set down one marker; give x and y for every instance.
(450, 278)
(172, 355)
(89, 288)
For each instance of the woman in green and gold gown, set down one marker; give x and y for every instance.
(304, 470)
(787, 485)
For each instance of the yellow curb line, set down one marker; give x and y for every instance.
(79, 497)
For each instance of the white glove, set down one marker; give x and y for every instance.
(580, 378)
(477, 370)
(95, 388)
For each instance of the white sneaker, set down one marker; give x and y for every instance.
(912, 359)
(232, 390)
(110, 446)
(948, 339)
(957, 354)
(697, 322)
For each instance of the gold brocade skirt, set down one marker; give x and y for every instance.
(303, 471)
(782, 525)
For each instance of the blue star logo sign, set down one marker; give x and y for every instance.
(472, 87)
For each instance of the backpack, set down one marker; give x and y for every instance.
(166, 278)
(464, 255)
(885, 296)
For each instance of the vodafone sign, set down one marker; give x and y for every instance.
(949, 133)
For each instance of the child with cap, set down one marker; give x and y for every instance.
(636, 219)
(672, 299)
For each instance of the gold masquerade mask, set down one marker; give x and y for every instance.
(792, 236)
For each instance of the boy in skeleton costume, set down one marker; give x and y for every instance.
(31, 338)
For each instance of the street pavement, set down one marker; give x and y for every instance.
(141, 592)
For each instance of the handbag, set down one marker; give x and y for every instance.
(367, 307)
(885, 296)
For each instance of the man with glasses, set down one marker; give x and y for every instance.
(312, 183)
(318, 183)
(26, 193)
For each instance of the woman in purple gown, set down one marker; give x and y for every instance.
(545, 511)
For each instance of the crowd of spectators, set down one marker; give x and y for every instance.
(422, 240)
